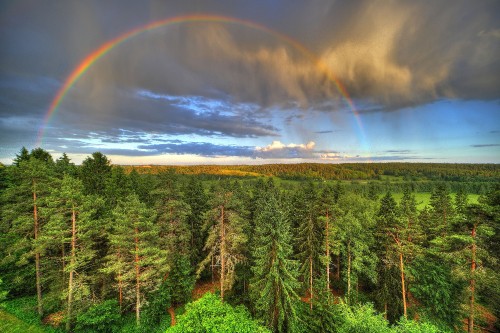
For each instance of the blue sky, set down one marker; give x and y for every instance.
(425, 89)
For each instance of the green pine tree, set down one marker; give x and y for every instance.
(69, 228)
(274, 285)
(135, 260)
(309, 237)
(31, 180)
(226, 239)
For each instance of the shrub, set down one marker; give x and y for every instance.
(209, 314)
(103, 317)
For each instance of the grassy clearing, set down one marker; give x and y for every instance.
(424, 198)
(11, 324)
(19, 315)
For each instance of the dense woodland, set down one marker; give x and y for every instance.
(283, 248)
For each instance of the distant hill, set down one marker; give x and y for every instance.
(348, 171)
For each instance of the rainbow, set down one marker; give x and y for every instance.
(90, 59)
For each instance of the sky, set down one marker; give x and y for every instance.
(251, 82)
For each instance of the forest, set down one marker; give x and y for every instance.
(343, 248)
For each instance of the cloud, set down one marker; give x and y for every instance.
(486, 145)
(212, 81)
(400, 151)
(205, 149)
(280, 150)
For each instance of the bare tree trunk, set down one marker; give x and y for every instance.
(338, 267)
(348, 269)
(327, 245)
(472, 282)
(222, 254)
(37, 255)
(72, 271)
(311, 283)
(137, 281)
(212, 269)
(120, 286)
(403, 288)
(63, 254)
(120, 291)
(385, 310)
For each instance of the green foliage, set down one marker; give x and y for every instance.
(3, 292)
(354, 225)
(361, 319)
(309, 235)
(411, 326)
(155, 309)
(142, 249)
(180, 280)
(210, 315)
(65, 166)
(100, 318)
(438, 292)
(23, 316)
(94, 173)
(273, 288)
(226, 237)
(134, 260)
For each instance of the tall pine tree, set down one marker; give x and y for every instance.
(274, 285)
(226, 239)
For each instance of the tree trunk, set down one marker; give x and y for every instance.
(348, 269)
(120, 291)
(338, 267)
(120, 287)
(472, 282)
(311, 282)
(327, 245)
(137, 281)
(222, 254)
(63, 254)
(403, 289)
(72, 270)
(213, 269)
(37, 255)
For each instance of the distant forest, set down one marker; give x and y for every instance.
(335, 248)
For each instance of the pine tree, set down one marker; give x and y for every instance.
(226, 239)
(389, 226)
(94, 173)
(174, 236)
(441, 209)
(70, 222)
(465, 248)
(23, 155)
(274, 285)
(31, 180)
(461, 201)
(117, 186)
(135, 259)
(65, 166)
(327, 217)
(355, 232)
(196, 198)
(309, 237)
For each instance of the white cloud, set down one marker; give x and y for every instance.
(278, 145)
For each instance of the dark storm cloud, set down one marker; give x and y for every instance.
(200, 148)
(140, 111)
(394, 52)
(220, 80)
